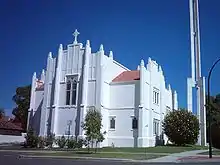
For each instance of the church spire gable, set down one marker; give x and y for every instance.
(75, 34)
(87, 43)
(42, 75)
(101, 48)
(50, 55)
(111, 54)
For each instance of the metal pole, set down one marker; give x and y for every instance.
(209, 109)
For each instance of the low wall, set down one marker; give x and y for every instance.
(12, 139)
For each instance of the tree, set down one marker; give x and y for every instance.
(100, 138)
(22, 100)
(215, 120)
(215, 129)
(181, 127)
(214, 108)
(92, 126)
(2, 113)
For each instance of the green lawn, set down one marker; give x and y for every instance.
(159, 149)
(123, 153)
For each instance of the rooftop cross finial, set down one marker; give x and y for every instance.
(75, 34)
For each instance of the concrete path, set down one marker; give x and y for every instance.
(177, 157)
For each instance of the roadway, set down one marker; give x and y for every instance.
(13, 158)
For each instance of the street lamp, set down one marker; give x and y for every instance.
(209, 110)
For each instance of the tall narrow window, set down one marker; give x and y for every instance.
(68, 90)
(112, 122)
(134, 123)
(71, 91)
(156, 126)
(74, 89)
(155, 97)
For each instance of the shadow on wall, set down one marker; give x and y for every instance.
(79, 115)
(136, 114)
(49, 120)
(36, 118)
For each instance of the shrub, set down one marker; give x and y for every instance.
(41, 142)
(71, 143)
(181, 127)
(31, 139)
(50, 139)
(61, 142)
(80, 143)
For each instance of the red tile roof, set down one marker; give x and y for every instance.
(7, 124)
(127, 76)
(40, 85)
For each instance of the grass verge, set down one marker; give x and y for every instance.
(99, 155)
(158, 149)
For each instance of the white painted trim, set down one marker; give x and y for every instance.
(67, 107)
(117, 108)
(120, 137)
(124, 82)
(114, 116)
(115, 62)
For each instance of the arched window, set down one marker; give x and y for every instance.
(71, 89)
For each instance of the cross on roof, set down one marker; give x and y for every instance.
(75, 34)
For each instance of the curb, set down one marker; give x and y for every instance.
(203, 158)
(81, 158)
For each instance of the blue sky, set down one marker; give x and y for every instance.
(133, 30)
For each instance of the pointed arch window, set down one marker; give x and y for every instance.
(71, 90)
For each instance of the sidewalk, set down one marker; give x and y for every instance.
(177, 157)
(199, 158)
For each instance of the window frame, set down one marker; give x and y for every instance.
(156, 96)
(110, 119)
(132, 123)
(72, 79)
(156, 127)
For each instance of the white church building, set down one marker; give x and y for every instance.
(133, 103)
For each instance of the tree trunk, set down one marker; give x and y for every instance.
(92, 143)
(88, 146)
(96, 146)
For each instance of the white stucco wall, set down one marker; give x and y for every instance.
(12, 139)
(66, 114)
(123, 100)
